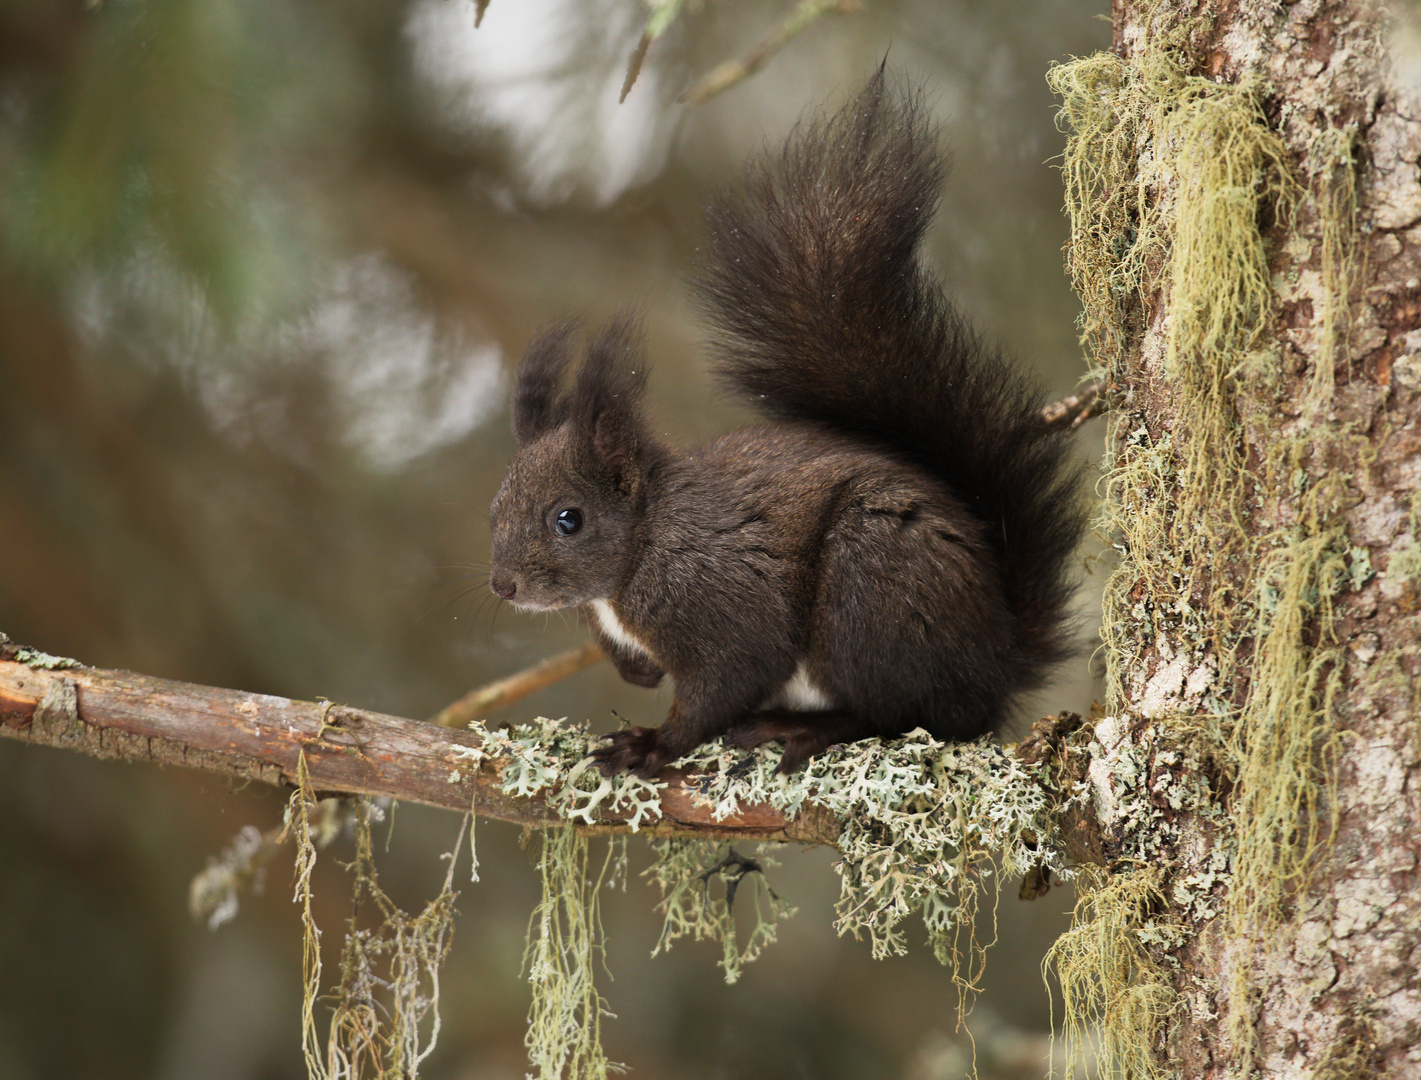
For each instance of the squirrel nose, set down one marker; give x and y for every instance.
(503, 590)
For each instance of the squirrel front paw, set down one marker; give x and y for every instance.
(634, 750)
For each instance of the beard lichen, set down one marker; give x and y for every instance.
(925, 828)
(384, 1019)
(564, 1035)
(1112, 988)
(1231, 554)
(923, 823)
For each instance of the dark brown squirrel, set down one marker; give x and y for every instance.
(890, 550)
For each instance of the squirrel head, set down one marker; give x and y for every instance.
(564, 519)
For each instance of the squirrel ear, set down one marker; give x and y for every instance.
(606, 400)
(536, 408)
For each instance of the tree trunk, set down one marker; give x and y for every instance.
(1246, 237)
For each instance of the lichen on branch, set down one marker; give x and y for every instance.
(922, 824)
(923, 827)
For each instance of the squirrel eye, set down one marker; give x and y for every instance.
(568, 522)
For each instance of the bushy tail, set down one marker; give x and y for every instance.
(826, 313)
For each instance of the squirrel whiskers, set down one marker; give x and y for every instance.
(890, 550)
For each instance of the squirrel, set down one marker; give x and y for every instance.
(889, 550)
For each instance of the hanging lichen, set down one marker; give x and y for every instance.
(564, 950)
(1165, 175)
(926, 828)
(384, 1018)
(1113, 989)
(1331, 162)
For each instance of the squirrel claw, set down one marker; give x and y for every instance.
(633, 750)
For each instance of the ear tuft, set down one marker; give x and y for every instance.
(537, 408)
(606, 400)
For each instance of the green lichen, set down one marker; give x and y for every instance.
(1114, 992)
(925, 823)
(1283, 743)
(928, 830)
(1331, 161)
(550, 756)
(926, 827)
(1404, 565)
(36, 659)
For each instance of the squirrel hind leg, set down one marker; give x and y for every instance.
(913, 622)
(803, 734)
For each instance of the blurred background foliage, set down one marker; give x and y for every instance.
(265, 266)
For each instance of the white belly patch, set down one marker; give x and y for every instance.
(613, 628)
(799, 694)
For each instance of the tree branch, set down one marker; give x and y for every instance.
(117, 714)
(51, 701)
(729, 73)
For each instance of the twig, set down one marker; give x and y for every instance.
(1078, 408)
(477, 704)
(638, 57)
(731, 72)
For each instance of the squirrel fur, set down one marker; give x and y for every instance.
(889, 550)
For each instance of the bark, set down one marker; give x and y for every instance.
(1327, 975)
